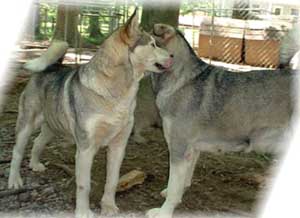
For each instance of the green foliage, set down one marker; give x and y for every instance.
(48, 21)
(94, 41)
(188, 6)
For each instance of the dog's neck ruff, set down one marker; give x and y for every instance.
(137, 75)
(117, 79)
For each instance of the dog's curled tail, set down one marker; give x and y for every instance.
(56, 50)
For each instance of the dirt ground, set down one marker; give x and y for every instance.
(232, 182)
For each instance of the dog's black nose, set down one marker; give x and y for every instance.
(172, 56)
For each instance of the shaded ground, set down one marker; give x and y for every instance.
(222, 182)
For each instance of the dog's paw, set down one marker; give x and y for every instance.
(15, 181)
(109, 210)
(37, 167)
(84, 214)
(164, 193)
(157, 213)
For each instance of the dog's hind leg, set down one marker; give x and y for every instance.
(28, 120)
(272, 140)
(115, 155)
(39, 143)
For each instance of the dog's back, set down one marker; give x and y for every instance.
(227, 108)
(219, 109)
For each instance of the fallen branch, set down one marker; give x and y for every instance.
(68, 183)
(239, 212)
(5, 193)
(11, 111)
(70, 172)
(133, 178)
(65, 168)
(4, 161)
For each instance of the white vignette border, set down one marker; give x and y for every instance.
(281, 201)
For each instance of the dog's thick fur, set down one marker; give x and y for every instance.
(92, 106)
(208, 108)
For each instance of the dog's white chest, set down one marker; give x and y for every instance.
(109, 123)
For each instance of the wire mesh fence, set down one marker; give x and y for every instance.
(237, 33)
(109, 16)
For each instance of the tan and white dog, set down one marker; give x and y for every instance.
(92, 106)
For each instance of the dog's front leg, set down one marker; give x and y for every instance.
(84, 160)
(192, 161)
(175, 189)
(115, 155)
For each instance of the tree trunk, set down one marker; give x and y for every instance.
(94, 30)
(164, 14)
(240, 12)
(66, 28)
(146, 113)
(37, 20)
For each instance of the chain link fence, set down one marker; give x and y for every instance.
(239, 34)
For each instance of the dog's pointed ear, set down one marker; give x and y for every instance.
(131, 29)
(132, 25)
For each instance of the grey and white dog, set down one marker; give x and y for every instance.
(208, 108)
(92, 106)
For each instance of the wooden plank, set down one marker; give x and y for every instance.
(221, 48)
(223, 34)
(225, 22)
(264, 53)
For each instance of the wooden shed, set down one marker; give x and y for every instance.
(252, 42)
(262, 43)
(221, 39)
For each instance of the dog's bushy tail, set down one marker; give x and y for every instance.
(56, 50)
